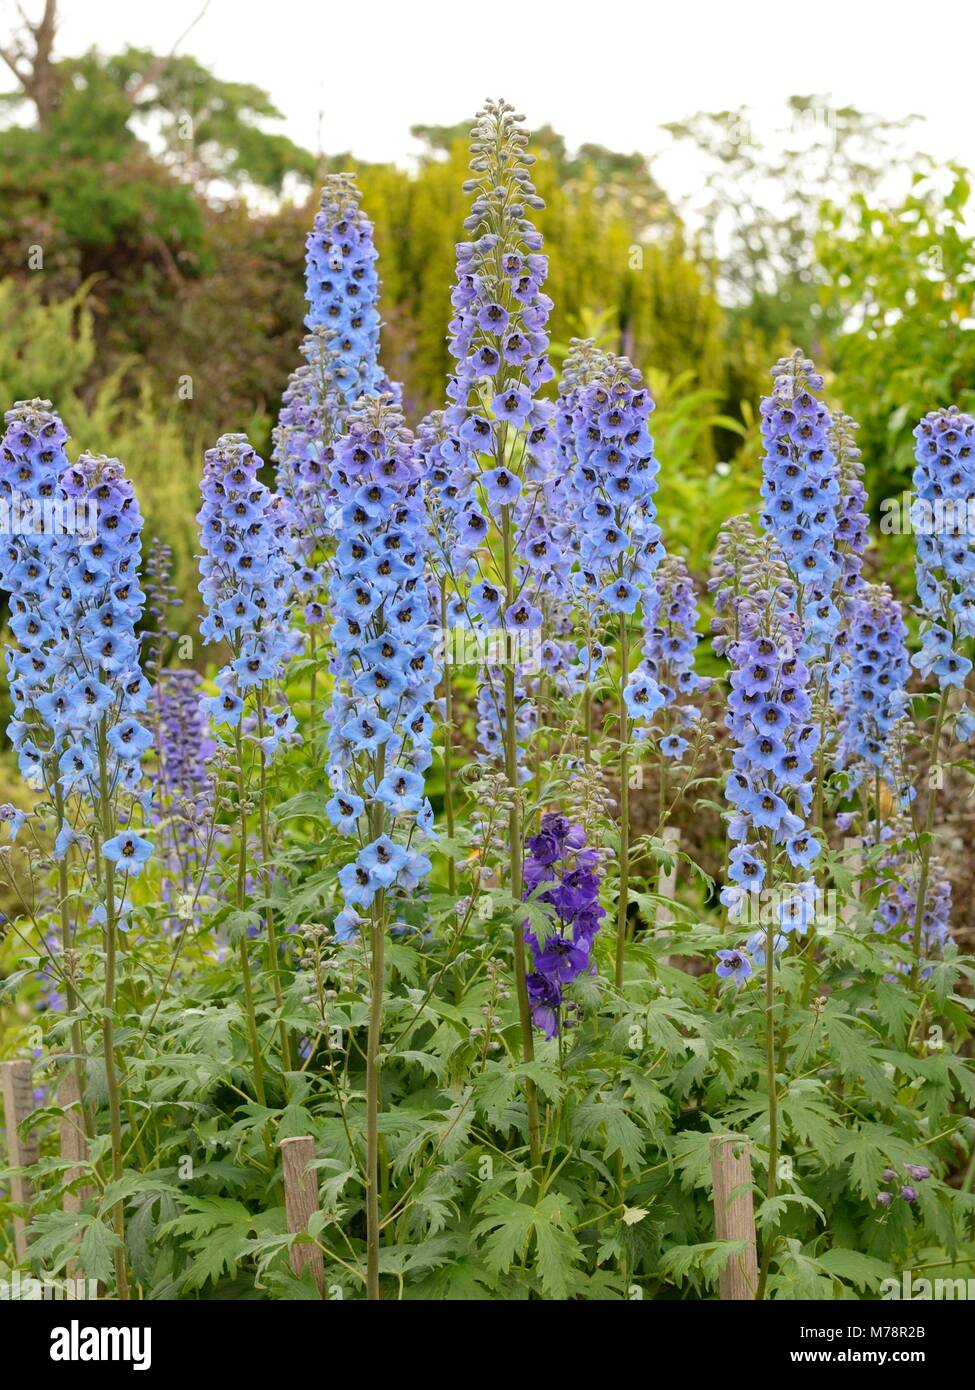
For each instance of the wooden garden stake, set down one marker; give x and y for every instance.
(301, 1203)
(74, 1142)
(18, 1102)
(734, 1216)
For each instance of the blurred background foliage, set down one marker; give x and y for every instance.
(152, 253)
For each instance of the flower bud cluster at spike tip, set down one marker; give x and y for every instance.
(736, 562)
(497, 334)
(769, 712)
(342, 287)
(561, 877)
(671, 638)
(247, 586)
(852, 522)
(801, 493)
(944, 484)
(875, 695)
(32, 460)
(380, 739)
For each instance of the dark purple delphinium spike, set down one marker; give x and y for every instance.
(560, 875)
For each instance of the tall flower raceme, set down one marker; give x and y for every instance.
(768, 787)
(604, 440)
(769, 711)
(105, 726)
(342, 287)
(384, 664)
(671, 639)
(875, 694)
(103, 714)
(32, 555)
(944, 484)
(380, 740)
(561, 878)
(248, 576)
(801, 492)
(248, 587)
(183, 784)
(499, 342)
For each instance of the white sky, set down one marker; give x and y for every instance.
(356, 75)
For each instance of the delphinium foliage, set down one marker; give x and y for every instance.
(376, 865)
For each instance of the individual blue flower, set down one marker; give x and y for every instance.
(344, 811)
(128, 851)
(733, 965)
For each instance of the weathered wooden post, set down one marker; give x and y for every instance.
(667, 878)
(734, 1216)
(18, 1102)
(301, 1203)
(74, 1141)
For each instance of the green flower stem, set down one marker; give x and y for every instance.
(922, 885)
(377, 933)
(515, 851)
(273, 960)
(245, 970)
(624, 763)
(773, 1108)
(77, 1042)
(108, 1011)
(448, 743)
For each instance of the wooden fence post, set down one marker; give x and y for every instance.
(18, 1102)
(734, 1217)
(301, 1203)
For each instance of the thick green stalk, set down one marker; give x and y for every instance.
(515, 850)
(922, 884)
(108, 1013)
(245, 970)
(77, 1043)
(448, 742)
(773, 1106)
(377, 820)
(624, 763)
(378, 931)
(273, 961)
